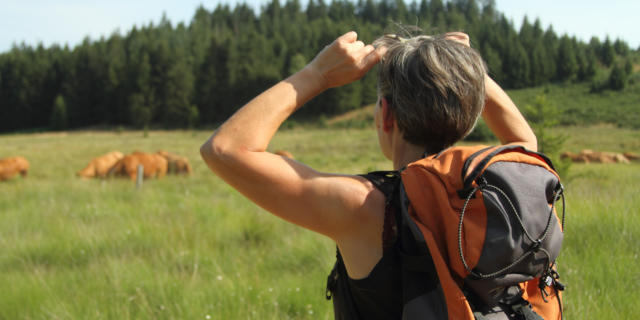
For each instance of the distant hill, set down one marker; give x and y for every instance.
(577, 104)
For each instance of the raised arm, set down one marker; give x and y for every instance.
(236, 152)
(504, 119)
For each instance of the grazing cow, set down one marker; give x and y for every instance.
(176, 164)
(578, 158)
(632, 156)
(11, 166)
(284, 153)
(101, 166)
(604, 157)
(153, 165)
(590, 156)
(620, 158)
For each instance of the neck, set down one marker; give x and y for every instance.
(405, 153)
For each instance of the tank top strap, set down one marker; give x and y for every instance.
(385, 181)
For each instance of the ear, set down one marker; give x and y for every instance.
(388, 118)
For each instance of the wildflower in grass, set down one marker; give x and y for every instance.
(219, 278)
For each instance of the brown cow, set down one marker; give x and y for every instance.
(176, 164)
(632, 156)
(11, 166)
(620, 158)
(153, 165)
(590, 156)
(578, 158)
(284, 153)
(101, 166)
(604, 157)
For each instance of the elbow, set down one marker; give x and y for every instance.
(222, 154)
(531, 143)
(212, 152)
(206, 151)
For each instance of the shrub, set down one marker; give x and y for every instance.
(543, 115)
(618, 77)
(59, 114)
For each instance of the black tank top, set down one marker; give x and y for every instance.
(379, 295)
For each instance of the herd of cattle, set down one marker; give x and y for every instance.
(590, 156)
(114, 163)
(158, 164)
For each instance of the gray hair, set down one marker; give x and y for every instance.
(434, 86)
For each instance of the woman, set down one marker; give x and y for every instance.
(431, 91)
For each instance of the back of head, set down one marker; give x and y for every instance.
(434, 86)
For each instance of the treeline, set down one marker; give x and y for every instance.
(187, 75)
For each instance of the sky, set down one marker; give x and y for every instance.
(70, 21)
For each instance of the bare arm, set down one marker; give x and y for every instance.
(236, 152)
(504, 119)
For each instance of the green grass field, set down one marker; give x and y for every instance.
(192, 248)
(579, 106)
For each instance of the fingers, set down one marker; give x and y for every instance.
(459, 37)
(345, 60)
(358, 45)
(371, 57)
(348, 37)
(359, 52)
(349, 42)
(457, 34)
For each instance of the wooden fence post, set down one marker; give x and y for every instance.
(140, 176)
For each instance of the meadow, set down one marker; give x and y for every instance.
(193, 248)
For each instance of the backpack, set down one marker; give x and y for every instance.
(485, 219)
(477, 235)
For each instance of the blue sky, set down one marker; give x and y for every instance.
(69, 21)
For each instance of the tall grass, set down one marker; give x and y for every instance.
(600, 256)
(193, 248)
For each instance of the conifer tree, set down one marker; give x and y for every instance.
(607, 53)
(618, 77)
(567, 62)
(213, 86)
(436, 15)
(178, 88)
(621, 48)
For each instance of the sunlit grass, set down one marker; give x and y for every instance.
(191, 247)
(601, 244)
